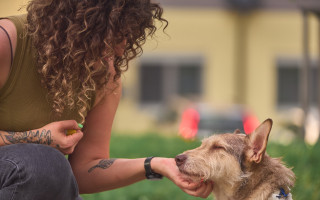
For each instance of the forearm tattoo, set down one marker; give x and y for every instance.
(104, 164)
(37, 137)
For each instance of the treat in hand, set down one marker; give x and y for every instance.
(72, 131)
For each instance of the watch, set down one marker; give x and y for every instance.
(151, 175)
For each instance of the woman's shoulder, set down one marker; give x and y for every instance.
(19, 21)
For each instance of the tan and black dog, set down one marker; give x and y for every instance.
(239, 166)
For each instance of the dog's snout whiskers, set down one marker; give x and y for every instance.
(180, 159)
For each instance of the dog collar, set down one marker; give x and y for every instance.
(281, 195)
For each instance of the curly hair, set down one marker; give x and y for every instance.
(74, 39)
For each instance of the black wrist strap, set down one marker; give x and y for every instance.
(149, 173)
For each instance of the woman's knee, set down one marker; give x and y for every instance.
(42, 169)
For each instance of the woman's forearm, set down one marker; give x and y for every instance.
(53, 134)
(38, 136)
(106, 174)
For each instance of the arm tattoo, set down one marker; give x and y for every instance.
(37, 137)
(104, 164)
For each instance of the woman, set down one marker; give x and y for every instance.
(60, 65)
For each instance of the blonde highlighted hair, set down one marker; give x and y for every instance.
(74, 38)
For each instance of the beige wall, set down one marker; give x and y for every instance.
(12, 7)
(208, 33)
(272, 35)
(212, 33)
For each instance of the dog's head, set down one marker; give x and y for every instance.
(224, 158)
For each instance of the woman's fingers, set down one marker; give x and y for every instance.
(208, 189)
(68, 124)
(183, 181)
(61, 140)
(188, 185)
(203, 190)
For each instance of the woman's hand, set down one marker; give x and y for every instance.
(168, 168)
(59, 139)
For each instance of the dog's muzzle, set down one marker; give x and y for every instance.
(180, 159)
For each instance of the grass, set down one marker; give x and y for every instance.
(304, 160)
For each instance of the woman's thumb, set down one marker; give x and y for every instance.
(69, 124)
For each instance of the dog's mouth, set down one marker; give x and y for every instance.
(192, 175)
(186, 172)
(184, 168)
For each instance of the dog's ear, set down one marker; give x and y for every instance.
(237, 131)
(258, 140)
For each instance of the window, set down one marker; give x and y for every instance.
(289, 81)
(151, 85)
(288, 85)
(160, 78)
(189, 80)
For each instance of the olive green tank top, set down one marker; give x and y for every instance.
(23, 100)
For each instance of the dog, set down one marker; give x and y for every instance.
(239, 166)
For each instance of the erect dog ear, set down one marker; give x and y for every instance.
(237, 131)
(258, 140)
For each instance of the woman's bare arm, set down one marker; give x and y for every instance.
(39, 136)
(5, 51)
(53, 134)
(95, 171)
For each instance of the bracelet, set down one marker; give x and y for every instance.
(151, 175)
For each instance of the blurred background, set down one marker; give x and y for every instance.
(220, 65)
(229, 60)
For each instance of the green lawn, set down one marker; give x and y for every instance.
(305, 160)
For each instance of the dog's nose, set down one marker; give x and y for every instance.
(180, 159)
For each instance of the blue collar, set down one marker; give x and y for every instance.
(282, 194)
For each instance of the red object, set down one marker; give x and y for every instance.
(189, 123)
(250, 123)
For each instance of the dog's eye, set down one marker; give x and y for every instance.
(216, 147)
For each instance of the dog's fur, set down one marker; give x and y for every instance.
(238, 165)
